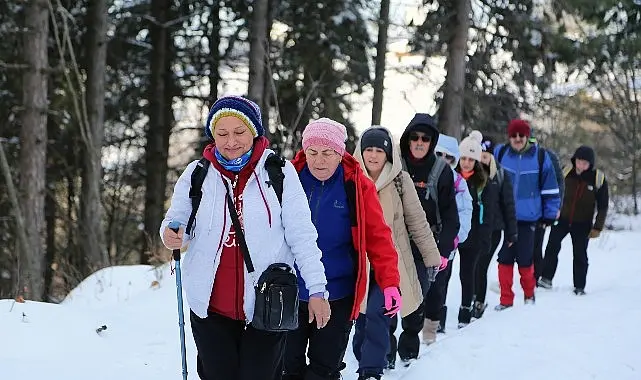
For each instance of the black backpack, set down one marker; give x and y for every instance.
(273, 164)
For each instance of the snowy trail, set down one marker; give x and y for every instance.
(563, 336)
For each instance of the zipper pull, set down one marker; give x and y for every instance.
(262, 288)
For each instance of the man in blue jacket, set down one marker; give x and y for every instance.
(537, 200)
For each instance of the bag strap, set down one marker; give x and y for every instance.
(195, 191)
(238, 229)
(432, 188)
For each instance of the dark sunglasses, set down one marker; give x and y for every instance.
(515, 135)
(422, 138)
(446, 156)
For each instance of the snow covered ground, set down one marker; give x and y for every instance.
(562, 337)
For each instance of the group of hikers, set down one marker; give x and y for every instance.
(368, 238)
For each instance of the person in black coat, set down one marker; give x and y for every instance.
(503, 221)
(484, 197)
(417, 151)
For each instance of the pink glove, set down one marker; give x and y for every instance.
(444, 262)
(392, 300)
(456, 242)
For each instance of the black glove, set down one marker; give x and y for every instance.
(431, 273)
(513, 239)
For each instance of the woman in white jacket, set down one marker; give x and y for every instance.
(218, 287)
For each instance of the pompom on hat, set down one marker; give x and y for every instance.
(242, 108)
(325, 132)
(471, 146)
(519, 126)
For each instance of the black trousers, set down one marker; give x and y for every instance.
(325, 347)
(537, 254)
(579, 233)
(467, 272)
(230, 350)
(483, 265)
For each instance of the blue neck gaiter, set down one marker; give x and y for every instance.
(234, 165)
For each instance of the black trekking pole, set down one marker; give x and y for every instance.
(175, 226)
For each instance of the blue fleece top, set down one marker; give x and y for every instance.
(330, 214)
(532, 202)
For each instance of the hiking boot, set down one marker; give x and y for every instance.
(579, 291)
(464, 316)
(479, 309)
(544, 283)
(429, 331)
(500, 307)
(529, 300)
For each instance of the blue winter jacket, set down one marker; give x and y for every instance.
(532, 202)
(330, 215)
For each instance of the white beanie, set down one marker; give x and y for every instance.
(471, 146)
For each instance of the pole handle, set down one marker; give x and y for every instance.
(175, 226)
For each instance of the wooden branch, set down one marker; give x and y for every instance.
(13, 66)
(13, 197)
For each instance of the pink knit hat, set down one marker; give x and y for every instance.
(327, 133)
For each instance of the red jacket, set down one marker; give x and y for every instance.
(371, 235)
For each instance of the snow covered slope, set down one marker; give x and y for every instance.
(562, 337)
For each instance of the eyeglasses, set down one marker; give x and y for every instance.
(515, 135)
(445, 156)
(423, 138)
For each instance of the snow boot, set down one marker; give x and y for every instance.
(479, 309)
(501, 307)
(464, 316)
(443, 319)
(579, 291)
(544, 283)
(529, 300)
(429, 331)
(369, 377)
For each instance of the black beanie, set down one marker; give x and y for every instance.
(586, 153)
(377, 138)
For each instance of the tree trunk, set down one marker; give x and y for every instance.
(33, 148)
(381, 51)
(635, 187)
(50, 254)
(257, 51)
(451, 112)
(158, 129)
(267, 88)
(214, 52)
(91, 212)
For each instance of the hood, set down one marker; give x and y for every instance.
(448, 145)
(421, 122)
(493, 167)
(586, 153)
(390, 170)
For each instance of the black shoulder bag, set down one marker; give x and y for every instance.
(276, 307)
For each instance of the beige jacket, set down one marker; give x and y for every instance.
(400, 213)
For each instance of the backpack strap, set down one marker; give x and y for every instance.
(457, 182)
(541, 154)
(398, 184)
(274, 165)
(599, 180)
(500, 176)
(504, 149)
(432, 187)
(195, 191)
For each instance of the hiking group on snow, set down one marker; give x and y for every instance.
(285, 258)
